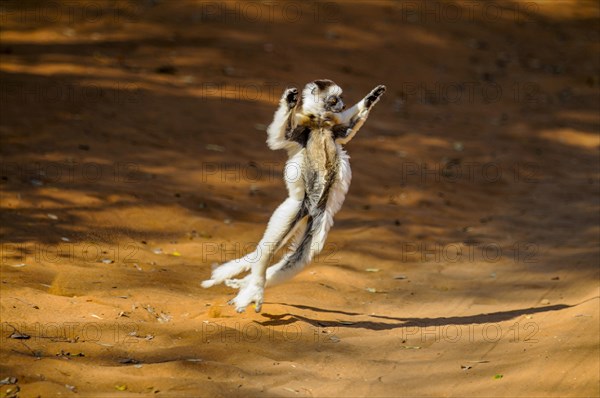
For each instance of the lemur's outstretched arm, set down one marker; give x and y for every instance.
(352, 119)
(283, 122)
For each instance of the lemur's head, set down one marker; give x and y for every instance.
(322, 96)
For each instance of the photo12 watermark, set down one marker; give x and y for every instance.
(269, 11)
(112, 333)
(253, 252)
(455, 171)
(55, 91)
(469, 11)
(40, 173)
(470, 92)
(72, 13)
(69, 13)
(517, 332)
(460, 252)
(67, 251)
(232, 172)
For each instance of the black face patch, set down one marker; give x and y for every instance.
(334, 103)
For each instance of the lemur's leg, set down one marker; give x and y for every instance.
(307, 244)
(352, 119)
(280, 226)
(297, 234)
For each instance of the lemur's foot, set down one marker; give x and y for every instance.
(251, 291)
(291, 97)
(224, 272)
(374, 96)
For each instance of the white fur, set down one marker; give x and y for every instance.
(251, 288)
(276, 130)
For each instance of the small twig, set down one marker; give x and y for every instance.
(21, 340)
(25, 302)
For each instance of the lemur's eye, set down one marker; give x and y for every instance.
(333, 101)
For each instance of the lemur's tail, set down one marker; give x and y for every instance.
(229, 270)
(305, 247)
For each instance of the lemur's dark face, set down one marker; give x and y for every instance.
(334, 103)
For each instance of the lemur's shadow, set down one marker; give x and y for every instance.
(494, 317)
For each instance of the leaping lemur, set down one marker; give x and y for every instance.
(312, 127)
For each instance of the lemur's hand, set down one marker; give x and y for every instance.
(373, 97)
(290, 96)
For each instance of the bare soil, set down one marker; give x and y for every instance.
(463, 263)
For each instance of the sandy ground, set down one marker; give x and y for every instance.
(463, 263)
